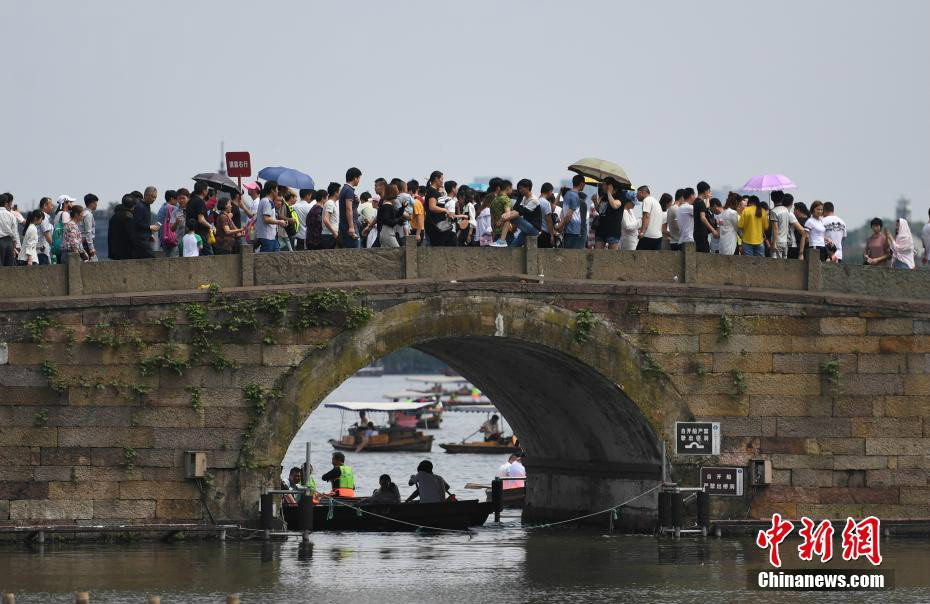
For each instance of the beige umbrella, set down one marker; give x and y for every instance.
(599, 169)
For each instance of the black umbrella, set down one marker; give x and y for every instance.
(215, 179)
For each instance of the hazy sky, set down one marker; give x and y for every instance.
(110, 96)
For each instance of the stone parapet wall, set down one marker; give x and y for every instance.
(329, 266)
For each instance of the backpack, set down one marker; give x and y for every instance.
(314, 226)
(168, 237)
(57, 235)
(291, 229)
(250, 230)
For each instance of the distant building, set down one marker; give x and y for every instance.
(903, 209)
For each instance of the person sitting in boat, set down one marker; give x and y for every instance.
(362, 420)
(365, 435)
(294, 478)
(431, 488)
(341, 477)
(387, 492)
(491, 429)
(515, 470)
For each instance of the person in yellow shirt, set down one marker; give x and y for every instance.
(753, 223)
(418, 221)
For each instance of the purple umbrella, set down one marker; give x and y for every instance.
(768, 182)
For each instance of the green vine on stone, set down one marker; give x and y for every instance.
(114, 335)
(739, 383)
(56, 381)
(168, 322)
(832, 373)
(40, 419)
(358, 315)
(584, 323)
(129, 458)
(167, 359)
(725, 327)
(38, 327)
(258, 399)
(652, 368)
(196, 399)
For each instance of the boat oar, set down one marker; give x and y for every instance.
(470, 435)
(475, 485)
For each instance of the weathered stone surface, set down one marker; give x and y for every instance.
(283, 356)
(4, 509)
(804, 477)
(906, 406)
(16, 473)
(896, 512)
(859, 462)
(748, 363)
(780, 406)
(783, 385)
(767, 509)
(849, 478)
(885, 426)
(834, 344)
(781, 444)
(83, 490)
(105, 437)
(840, 446)
(774, 494)
(882, 363)
(911, 477)
(858, 495)
(105, 474)
(44, 473)
(154, 489)
(65, 456)
(917, 385)
(872, 384)
(178, 509)
(737, 343)
(167, 417)
(124, 508)
(197, 438)
(719, 404)
(804, 362)
(48, 509)
(814, 426)
(905, 344)
(915, 495)
(842, 326)
(918, 363)
(29, 437)
(890, 327)
(24, 489)
(829, 511)
(16, 456)
(791, 462)
(897, 446)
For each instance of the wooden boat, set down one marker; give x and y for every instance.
(492, 447)
(417, 441)
(387, 439)
(512, 498)
(458, 515)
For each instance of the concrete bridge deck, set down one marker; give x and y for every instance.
(828, 379)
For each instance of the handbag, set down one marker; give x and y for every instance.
(168, 237)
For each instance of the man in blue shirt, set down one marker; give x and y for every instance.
(574, 222)
(348, 210)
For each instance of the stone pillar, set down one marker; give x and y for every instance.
(814, 269)
(75, 282)
(688, 263)
(247, 264)
(531, 265)
(411, 268)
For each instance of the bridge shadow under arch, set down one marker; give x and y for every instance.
(588, 415)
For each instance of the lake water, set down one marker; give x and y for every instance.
(500, 563)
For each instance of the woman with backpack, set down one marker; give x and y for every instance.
(390, 215)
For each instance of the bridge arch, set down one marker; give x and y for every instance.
(590, 414)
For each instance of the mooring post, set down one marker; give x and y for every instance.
(266, 503)
(81, 597)
(665, 511)
(703, 510)
(307, 465)
(305, 512)
(497, 497)
(677, 511)
(40, 538)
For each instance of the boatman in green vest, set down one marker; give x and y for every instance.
(341, 477)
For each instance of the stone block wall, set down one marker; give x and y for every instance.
(836, 393)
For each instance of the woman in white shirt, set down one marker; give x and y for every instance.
(484, 226)
(29, 254)
(816, 230)
(727, 225)
(902, 245)
(629, 227)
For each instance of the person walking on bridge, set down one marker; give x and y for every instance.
(341, 477)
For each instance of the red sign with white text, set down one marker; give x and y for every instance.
(238, 163)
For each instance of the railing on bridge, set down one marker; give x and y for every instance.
(248, 269)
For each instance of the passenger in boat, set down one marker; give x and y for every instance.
(505, 467)
(431, 488)
(516, 470)
(387, 492)
(365, 435)
(491, 429)
(294, 478)
(341, 477)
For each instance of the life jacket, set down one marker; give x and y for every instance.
(314, 226)
(291, 229)
(346, 478)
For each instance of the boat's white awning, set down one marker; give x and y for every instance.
(437, 379)
(405, 394)
(470, 409)
(378, 406)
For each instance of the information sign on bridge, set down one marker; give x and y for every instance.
(722, 481)
(697, 438)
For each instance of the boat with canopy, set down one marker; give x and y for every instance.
(398, 434)
(429, 418)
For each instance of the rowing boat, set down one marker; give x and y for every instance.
(412, 441)
(490, 447)
(453, 515)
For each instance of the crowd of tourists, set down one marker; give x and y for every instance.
(440, 212)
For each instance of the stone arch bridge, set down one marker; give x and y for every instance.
(110, 372)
